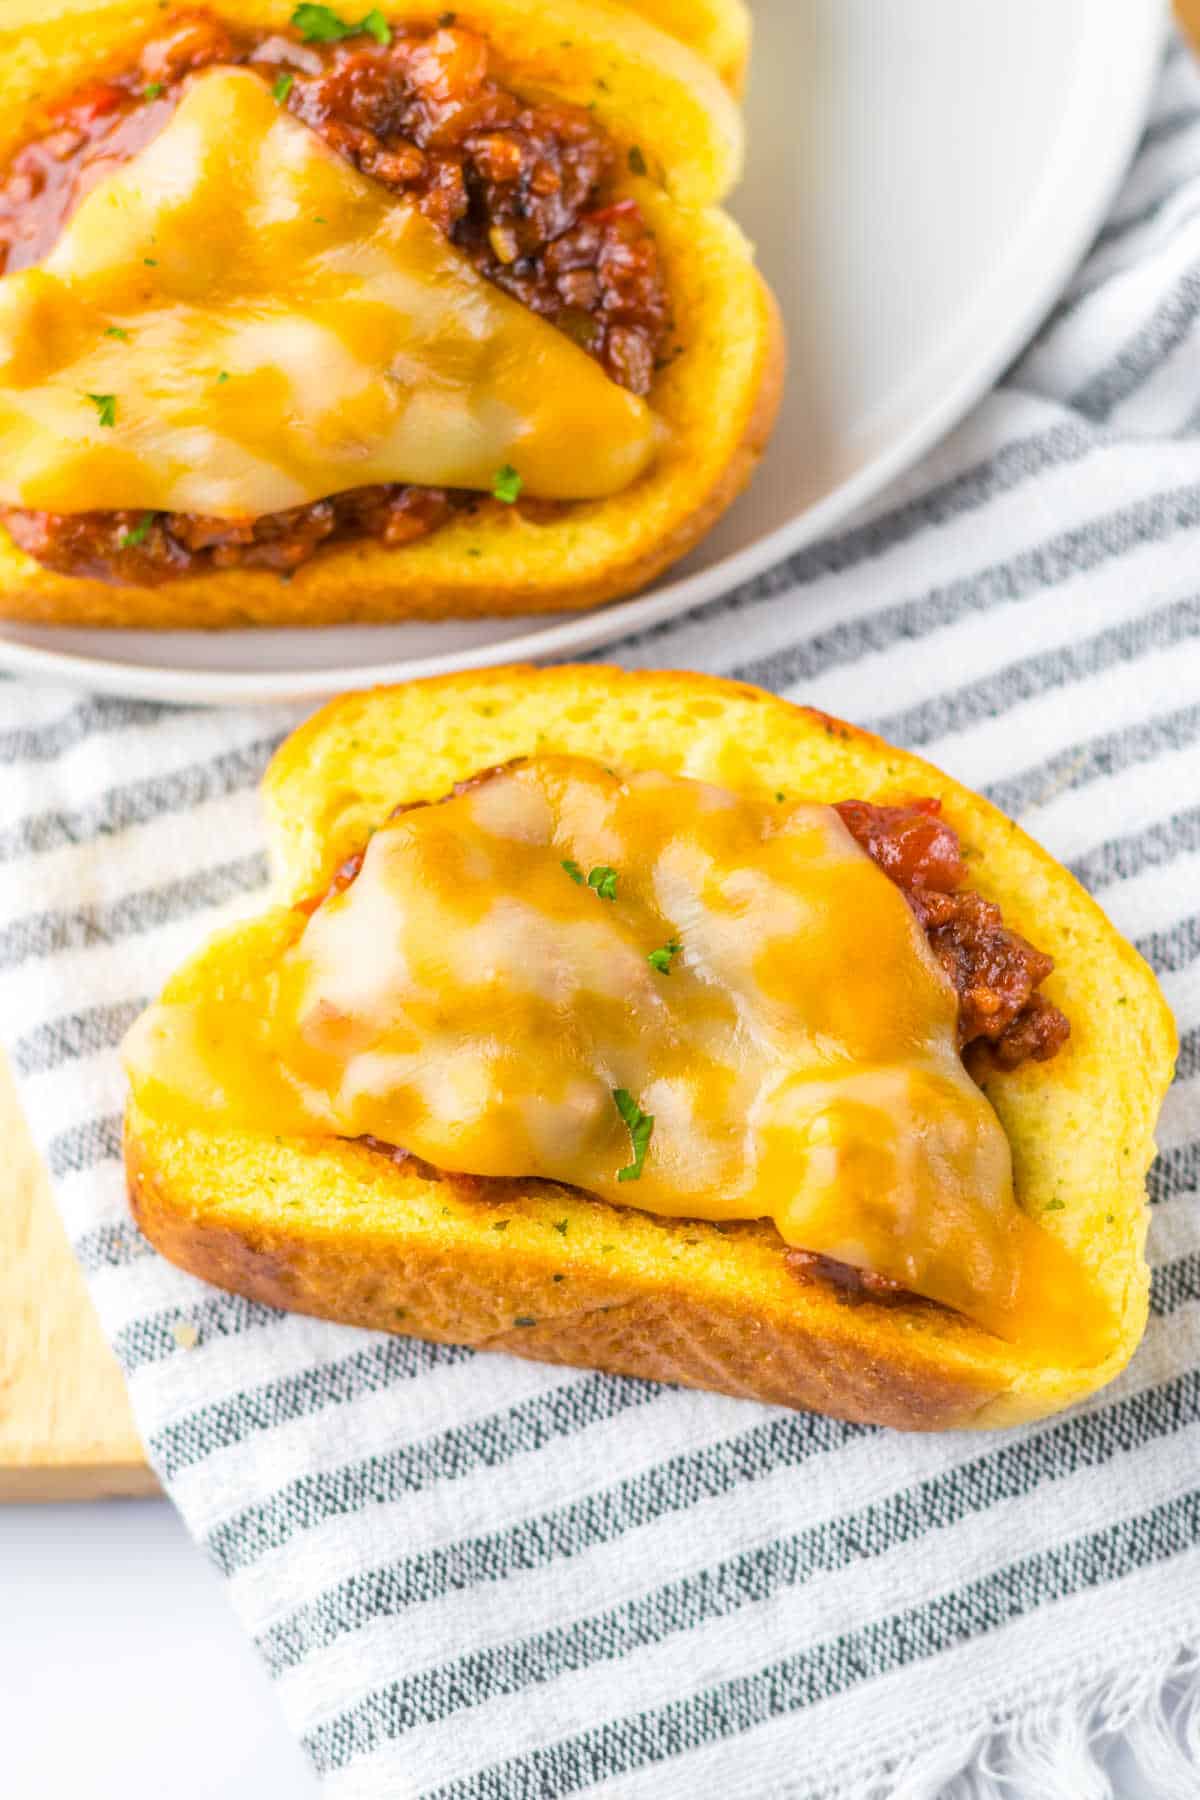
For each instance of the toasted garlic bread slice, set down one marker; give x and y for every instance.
(334, 1228)
(714, 394)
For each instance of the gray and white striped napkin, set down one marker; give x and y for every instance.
(475, 1577)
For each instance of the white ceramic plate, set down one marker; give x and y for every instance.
(924, 175)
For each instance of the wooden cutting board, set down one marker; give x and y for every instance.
(66, 1431)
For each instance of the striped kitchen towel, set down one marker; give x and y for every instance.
(479, 1577)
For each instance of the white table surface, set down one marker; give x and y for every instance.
(123, 1672)
(124, 1675)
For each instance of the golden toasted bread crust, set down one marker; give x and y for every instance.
(719, 29)
(717, 395)
(341, 1231)
(550, 1300)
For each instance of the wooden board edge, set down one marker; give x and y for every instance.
(66, 1426)
(45, 1479)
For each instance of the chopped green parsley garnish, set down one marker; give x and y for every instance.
(640, 1125)
(117, 332)
(106, 407)
(151, 262)
(153, 90)
(507, 484)
(661, 959)
(637, 162)
(128, 540)
(602, 880)
(283, 86)
(560, 1225)
(223, 377)
(1053, 1206)
(321, 25)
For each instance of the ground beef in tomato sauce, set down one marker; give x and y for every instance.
(848, 1282)
(525, 191)
(995, 972)
(152, 547)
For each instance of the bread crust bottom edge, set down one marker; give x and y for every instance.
(653, 1328)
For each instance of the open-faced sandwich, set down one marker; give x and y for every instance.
(308, 317)
(647, 1022)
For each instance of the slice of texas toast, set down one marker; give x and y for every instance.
(345, 1232)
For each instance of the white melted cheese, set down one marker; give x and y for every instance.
(292, 330)
(468, 997)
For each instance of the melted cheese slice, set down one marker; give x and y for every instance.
(467, 998)
(292, 330)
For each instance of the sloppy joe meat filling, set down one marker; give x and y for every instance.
(525, 191)
(995, 972)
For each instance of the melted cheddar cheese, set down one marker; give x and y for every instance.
(237, 322)
(489, 994)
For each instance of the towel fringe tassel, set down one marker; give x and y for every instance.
(1057, 1749)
